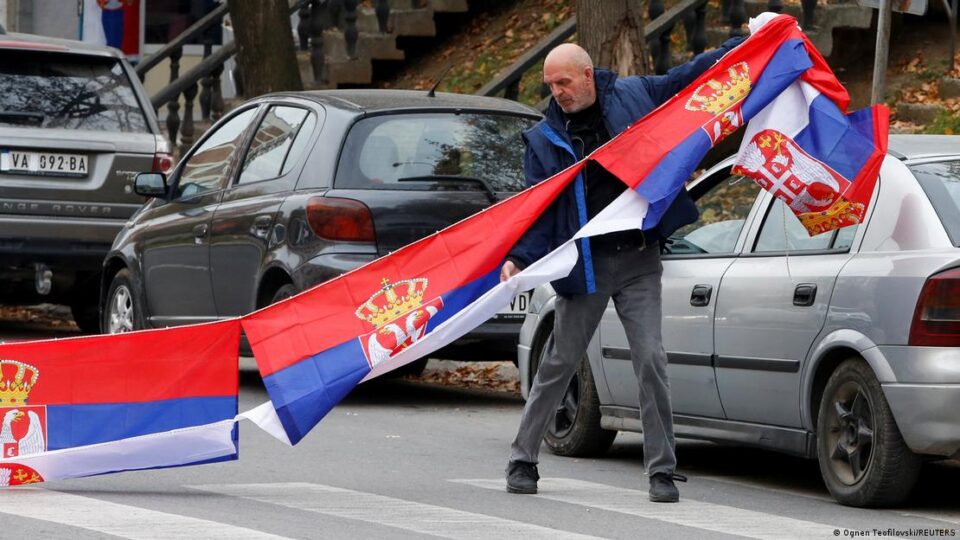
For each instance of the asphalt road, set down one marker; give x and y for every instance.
(404, 459)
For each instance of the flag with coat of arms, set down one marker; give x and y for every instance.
(83, 406)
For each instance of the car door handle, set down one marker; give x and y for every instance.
(200, 231)
(262, 222)
(261, 226)
(805, 294)
(701, 295)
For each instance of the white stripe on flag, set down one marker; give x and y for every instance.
(388, 511)
(688, 513)
(114, 519)
(169, 448)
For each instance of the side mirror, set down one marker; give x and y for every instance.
(151, 184)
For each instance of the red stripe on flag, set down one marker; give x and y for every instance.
(189, 361)
(323, 317)
(862, 189)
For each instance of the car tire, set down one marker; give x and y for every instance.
(285, 291)
(863, 457)
(574, 430)
(122, 311)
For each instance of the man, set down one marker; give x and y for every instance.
(588, 108)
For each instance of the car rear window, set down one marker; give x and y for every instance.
(434, 151)
(70, 91)
(941, 182)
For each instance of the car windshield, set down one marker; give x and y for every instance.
(941, 182)
(434, 151)
(68, 91)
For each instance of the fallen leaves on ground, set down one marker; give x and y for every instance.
(44, 316)
(497, 376)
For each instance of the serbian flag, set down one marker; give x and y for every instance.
(807, 151)
(314, 348)
(93, 405)
(778, 82)
(116, 23)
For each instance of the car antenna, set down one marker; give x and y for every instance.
(433, 90)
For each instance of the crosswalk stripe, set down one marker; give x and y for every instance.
(388, 511)
(117, 519)
(688, 513)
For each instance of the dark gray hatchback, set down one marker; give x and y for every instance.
(75, 128)
(293, 189)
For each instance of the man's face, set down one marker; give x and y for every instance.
(573, 88)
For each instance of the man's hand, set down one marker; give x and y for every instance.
(756, 23)
(508, 271)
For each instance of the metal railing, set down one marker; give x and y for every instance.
(657, 34)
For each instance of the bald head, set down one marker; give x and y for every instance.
(569, 54)
(568, 71)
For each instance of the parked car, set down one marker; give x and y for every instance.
(290, 190)
(75, 128)
(842, 347)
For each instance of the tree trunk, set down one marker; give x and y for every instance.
(265, 51)
(612, 33)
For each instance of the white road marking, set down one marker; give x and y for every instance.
(687, 513)
(388, 511)
(117, 519)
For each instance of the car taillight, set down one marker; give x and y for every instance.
(340, 219)
(936, 320)
(162, 162)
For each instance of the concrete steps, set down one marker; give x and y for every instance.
(408, 18)
(826, 18)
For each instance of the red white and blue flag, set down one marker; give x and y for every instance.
(100, 413)
(313, 348)
(117, 23)
(93, 405)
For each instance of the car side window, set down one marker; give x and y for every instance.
(208, 167)
(782, 231)
(724, 208)
(271, 146)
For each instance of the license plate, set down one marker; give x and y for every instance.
(518, 306)
(43, 163)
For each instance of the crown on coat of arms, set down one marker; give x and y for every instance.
(16, 381)
(840, 214)
(715, 96)
(392, 301)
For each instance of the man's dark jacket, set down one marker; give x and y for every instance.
(550, 150)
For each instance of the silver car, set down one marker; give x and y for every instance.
(843, 347)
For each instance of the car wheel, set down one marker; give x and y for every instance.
(863, 458)
(285, 291)
(574, 430)
(121, 313)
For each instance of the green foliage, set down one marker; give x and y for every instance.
(946, 123)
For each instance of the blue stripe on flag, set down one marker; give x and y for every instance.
(845, 143)
(80, 425)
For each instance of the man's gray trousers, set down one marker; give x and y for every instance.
(632, 278)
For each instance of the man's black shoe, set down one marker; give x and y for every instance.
(522, 477)
(662, 488)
